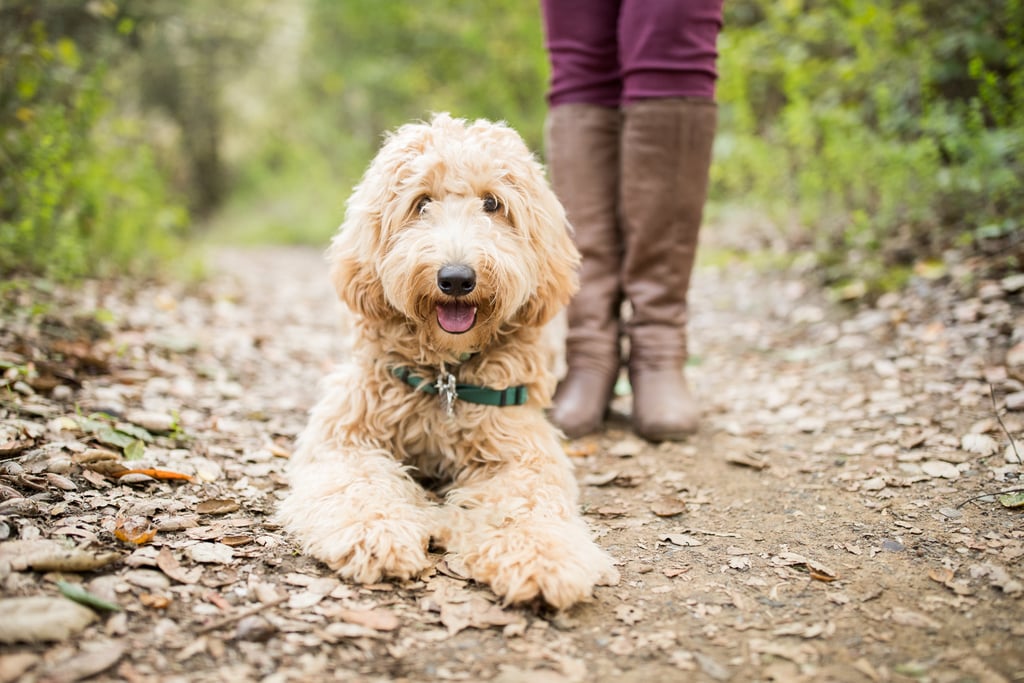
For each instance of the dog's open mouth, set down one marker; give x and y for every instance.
(456, 317)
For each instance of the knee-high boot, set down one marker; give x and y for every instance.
(666, 154)
(583, 156)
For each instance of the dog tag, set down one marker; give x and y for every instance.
(446, 391)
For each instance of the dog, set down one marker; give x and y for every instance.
(453, 255)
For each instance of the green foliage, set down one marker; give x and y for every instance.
(367, 67)
(79, 193)
(879, 130)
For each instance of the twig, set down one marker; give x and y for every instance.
(995, 409)
(228, 620)
(986, 495)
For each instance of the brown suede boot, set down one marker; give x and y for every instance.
(666, 154)
(583, 155)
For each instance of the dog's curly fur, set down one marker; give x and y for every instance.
(441, 193)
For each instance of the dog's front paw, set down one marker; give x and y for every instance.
(369, 551)
(560, 564)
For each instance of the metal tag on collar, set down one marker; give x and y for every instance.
(446, 391)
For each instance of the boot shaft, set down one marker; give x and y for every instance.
(583, 143)
(665, 159)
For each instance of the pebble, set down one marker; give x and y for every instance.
(1015, 401)
(62, 393)
(151, 421)
(255, 629)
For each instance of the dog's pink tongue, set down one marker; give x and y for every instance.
(456, 317)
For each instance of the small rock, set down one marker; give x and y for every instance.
(893, 546)
(1015, 401)
(255, 629)
(1013, 283)
(1015, 356)
(62, 393)
(152, 421)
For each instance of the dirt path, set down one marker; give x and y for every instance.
(812, 531)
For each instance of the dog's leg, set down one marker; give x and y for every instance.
(515, 526)
(359, 512)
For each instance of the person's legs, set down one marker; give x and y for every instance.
(667, 48)
(668, 55)
(583, 131)
(580, 37)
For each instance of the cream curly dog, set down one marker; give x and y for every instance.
(453, 255)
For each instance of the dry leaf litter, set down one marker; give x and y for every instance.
(849, 511)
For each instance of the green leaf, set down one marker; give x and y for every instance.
(1012, 500)
(112, 437)
(135, 450)
(135, 431)
(80, 595)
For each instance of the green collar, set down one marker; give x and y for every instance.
(449, 391)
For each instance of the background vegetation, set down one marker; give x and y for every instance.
(872, 134)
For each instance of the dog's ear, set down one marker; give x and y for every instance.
(355, 250)
(550, 236)
(354, 277)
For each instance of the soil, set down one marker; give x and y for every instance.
(835, 518)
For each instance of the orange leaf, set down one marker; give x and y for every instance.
(156, 474)
(155, 601)
(134, 530)
(820, 576)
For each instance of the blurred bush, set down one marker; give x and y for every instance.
(876, 132)
(872, 132)
(79, 191)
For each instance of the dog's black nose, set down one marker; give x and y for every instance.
(456, 279)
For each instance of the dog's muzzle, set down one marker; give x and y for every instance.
(456, 280)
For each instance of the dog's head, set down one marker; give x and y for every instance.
(455, 229)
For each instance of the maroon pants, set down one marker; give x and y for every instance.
(613, 52)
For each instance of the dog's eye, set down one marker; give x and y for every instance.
(422, 202)
(491, 203)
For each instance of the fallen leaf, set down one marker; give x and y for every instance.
(940, 469)
(906, 617)
(93, 658)
(979, 444)
(80, 595)
(41, 618)
(169, 565)
(668, 506)
(747, 460)
(377, 619)
(43, 555)
(217, 506)
(211, 553)
(581, 449)
(1011, 500)
(155, 601)
(13, 665)
(600, 479)
(817, 570)
(136, 450)
(475, 613)
(155, 474)
(626, 448)
(136, 530)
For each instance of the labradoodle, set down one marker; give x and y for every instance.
(453, 255)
